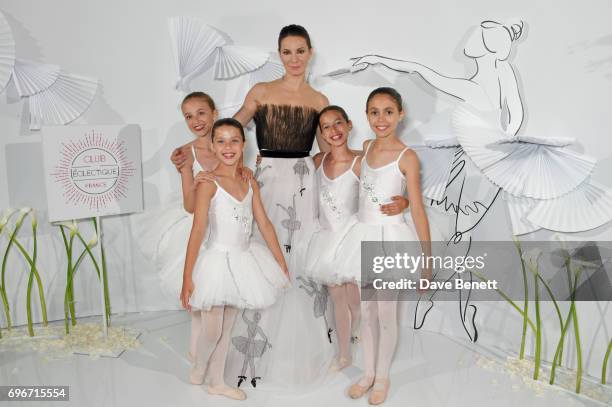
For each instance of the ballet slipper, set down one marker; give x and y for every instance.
(229, 392)
(357, 390)
(379, 392)
(197, 375)
(340, 363)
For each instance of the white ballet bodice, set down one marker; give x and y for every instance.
(337, 197)
(377, 186)
(229, 221)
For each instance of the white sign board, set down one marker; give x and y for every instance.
(92, 170)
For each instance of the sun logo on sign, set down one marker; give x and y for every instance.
(93, 171)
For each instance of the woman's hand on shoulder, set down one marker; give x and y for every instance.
(203, 177)
(246, 174)
(181, 159)
(318, 159)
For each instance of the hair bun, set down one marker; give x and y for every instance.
(516, 30)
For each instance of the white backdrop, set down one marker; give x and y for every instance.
(564, 64)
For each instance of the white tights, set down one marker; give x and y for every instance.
(379, 329)
(211, 333)
(347, 314)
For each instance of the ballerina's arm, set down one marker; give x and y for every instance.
(203, 195)
(461, 88)
(249, 106)
(512, 98)
(409, 165)
(267, 228)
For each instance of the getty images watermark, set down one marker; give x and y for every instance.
(410, 264)
(486, 271)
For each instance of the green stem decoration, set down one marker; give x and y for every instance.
(34, 274)
(557, 358)
(68, 248)
(525, 300)
(538, 348)
(5, 303)
(578, 350)
(604, 368)
(107, 304)
(512, 303)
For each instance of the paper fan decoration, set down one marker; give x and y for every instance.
(586, 208)
(64, 101)
(436, 165)
(442, 142)
(271, 70)
(193, 42)
(518, 208)
(7, 52)
(235, 60)
(521, 169)
(33, 77)
(548, 141)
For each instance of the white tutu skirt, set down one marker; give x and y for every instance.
(247, 279)
(347, 256)
(163, 237)
(322, 264)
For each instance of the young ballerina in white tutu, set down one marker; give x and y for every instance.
(338, 190)
(195, 162)
(387, 168)
(229, 272)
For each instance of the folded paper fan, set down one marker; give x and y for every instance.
(271, 70)
(442, 142)
(587, 207)
(518, 208)
(548, 141)
(234, 60)
(62, 102)
(522, 169)
(193, 42)
(33, 77)
(436, 165)
(7, 52)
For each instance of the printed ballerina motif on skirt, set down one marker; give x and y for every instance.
(244, 220)
(321, 295)
(259, 170)
(291, 224)
(330, 200)
(367, 184)
(250, 347)
(301, 168)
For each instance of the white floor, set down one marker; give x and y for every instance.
(429, 370)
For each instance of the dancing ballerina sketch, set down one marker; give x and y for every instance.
(320, 296)
(251, 347)
(537, 176)
(291, 224)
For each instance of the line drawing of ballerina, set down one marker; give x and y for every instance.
(291, 224)
(320, 300)
(259, 170)
(301, 168)
(251, 347)
(493, 87)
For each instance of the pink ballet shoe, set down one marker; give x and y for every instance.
(340, 363)
(379, 392)
(197, 375)
(226, 391)
(357, 390)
